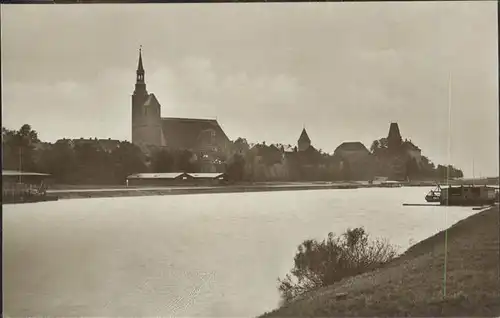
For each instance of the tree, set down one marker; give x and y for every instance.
(94, 164)
(241, 145)
(127, 159)
(412, 169)
(162, 161)
(378, 144)
(59, 160)
(18, 148)
(187, 162)
(375, 145)
(236, 168)
(320, 264)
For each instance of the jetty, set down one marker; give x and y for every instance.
(25, 187)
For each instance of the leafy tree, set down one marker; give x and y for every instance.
(162, 161)
(445, 172)
(412, 169)
(381, 143)
(236, 168)
(241, 145)
(320, 264)
(59, 160)
(186, 162)
(18, 148)
(93, 163)
(127, 159)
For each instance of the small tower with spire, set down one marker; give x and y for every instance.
(394, 139)
(304, 142)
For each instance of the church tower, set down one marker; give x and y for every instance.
(146, 112)
(394, 138)
(304, 142)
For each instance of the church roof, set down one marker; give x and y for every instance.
(184, 133)
(351, 146)
(409, 145)
(151, 100)
(304, 136)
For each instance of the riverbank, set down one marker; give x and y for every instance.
(180, 190)
(413, 284)
(79, 192)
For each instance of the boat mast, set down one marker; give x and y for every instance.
(20, 162)
(473, 175)
(449, 131)
(448, 194)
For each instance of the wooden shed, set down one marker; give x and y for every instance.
(158, 179)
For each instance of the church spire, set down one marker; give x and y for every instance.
(304, 141)
(140, 84)
(140, 68)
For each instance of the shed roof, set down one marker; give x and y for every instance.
(206, 175)
(167, 175)
(22, 173)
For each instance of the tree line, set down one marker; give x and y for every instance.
(88, 162)
(72, 162)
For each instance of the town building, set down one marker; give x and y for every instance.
(176, 179)
(305, 162)
(356, 162)
(149, 129)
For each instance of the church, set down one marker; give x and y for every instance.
(149, 129)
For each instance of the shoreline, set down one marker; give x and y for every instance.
(412, 284)
(179, 190)
(105, 192)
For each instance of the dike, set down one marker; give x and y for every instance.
(414, 283)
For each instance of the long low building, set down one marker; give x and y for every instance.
(13, 176)
(176, 178)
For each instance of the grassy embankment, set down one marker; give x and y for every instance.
(412, 284)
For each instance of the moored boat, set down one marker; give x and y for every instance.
(468, 195)
(434, 195)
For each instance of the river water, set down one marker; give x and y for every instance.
(204, 255)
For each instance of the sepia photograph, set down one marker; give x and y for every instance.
(314, 159)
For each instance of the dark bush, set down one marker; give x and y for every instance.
(319, 264)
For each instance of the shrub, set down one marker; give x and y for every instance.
(319, 264)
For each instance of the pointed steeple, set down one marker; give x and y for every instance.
(394, 137)
(304, 136)
(140, 84)
(304, 142)
(140, 68)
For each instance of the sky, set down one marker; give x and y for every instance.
(344, 71)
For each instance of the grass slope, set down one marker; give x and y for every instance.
(412, 285)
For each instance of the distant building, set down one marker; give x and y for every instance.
(150, 129)
(304, 162)
(394, 139)
(176, 178)
(107, 145)
(402, 156)
(396, 144)
(356, 162)
(304, 141)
